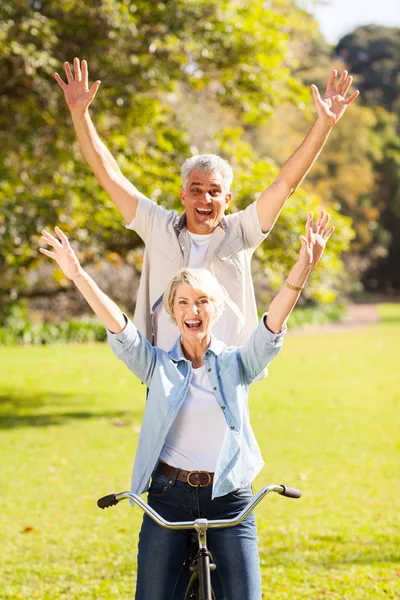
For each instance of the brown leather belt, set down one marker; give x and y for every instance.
(193, 478)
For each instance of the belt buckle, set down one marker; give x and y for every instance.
(198, 484)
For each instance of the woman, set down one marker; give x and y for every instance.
(196, 443)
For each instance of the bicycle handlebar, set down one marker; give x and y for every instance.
(290, 492)
(113, 499)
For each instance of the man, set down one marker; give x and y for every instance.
(202, 236)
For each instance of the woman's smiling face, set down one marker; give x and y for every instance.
(194, 312)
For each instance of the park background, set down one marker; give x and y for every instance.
(180, 78)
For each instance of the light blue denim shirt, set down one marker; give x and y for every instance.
(230, 369)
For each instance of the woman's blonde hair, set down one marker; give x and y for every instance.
(200, 280)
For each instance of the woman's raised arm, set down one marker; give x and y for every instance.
(68, 262)
(312, 248)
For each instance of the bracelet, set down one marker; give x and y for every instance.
(295, 288)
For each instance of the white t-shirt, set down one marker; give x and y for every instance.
(167, 332)
(196, 436)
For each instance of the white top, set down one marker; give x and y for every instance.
(195, 438)
(166, 331)
(198, 250)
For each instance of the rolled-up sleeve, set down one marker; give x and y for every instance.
(134, 350)
(148, 215)
(253, 234)
(261, 348)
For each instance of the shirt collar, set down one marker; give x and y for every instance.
(216, 346)
(176, 353)
(180, 223)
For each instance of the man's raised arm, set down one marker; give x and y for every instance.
(78, 97)
(330, 108)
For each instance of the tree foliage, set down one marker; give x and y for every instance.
(151, 58)
(373, 53)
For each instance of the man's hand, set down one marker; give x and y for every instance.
(332, 105)
(105, 168)
(314, 242)
(64, 256)
(77, 94)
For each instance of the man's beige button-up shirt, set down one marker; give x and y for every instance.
(228, 257)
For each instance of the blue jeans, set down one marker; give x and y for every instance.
(162, 572)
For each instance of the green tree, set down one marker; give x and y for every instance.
(147, 55)
(373, 53)
(282, 245)
(151, 58)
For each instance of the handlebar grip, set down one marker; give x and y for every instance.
(107, 501)
(290, 492)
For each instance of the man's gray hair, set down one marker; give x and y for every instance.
(208, 163)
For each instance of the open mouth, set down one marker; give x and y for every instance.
(193, 325)
(204, 211)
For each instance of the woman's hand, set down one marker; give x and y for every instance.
(314, 242)
(64, 256)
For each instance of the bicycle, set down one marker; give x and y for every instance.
(199, 587)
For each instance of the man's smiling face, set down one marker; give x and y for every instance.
(205, 200)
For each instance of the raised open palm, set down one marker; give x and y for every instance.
(332, 105)
(77, 94)
(64, 255)
(314, 242)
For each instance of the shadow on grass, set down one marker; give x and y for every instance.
(25, 410)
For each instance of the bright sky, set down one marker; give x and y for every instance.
(338, 17)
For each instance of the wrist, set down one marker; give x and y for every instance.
(80, 276)
(324, 124)
(299, 274)
(302, 268)
(79, 114)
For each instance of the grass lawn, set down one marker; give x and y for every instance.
(327, 420)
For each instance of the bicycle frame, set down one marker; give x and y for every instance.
(200, 525)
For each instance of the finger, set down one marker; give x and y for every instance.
(77, 69)
(50, 239)
(329, 233)
(306, 247)
(346, 85)
(68, 73)
(93, 89)
(304, 240)
(341, 81)
(315, 91)
(352, 97)
(319, 221)
(316, 96)
(324, 223)
(309, 226)
(331, 83)
(84, 72)
(63, 237)
(60, 82)
(48, 253)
